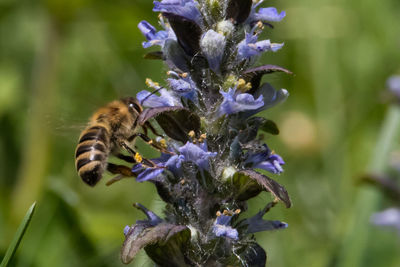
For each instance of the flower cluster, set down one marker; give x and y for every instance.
(212, 154)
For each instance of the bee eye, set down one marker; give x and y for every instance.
(135, 106)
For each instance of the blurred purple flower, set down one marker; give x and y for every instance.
(393, 84)
(389, 217)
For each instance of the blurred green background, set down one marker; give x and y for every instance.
(60, 60)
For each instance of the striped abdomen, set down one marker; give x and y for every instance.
(91, 153)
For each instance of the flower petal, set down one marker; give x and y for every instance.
(149, 174)
(234, 103)
(269, 14)
(153, 37)
(185, 8)
(166, 99)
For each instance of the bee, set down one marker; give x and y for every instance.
(111, 129)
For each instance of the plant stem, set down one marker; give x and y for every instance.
(367, 199)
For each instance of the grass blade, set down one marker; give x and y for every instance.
(18, 236)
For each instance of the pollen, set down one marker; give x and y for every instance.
(238, 211)
(242, 85)
(202, 137)
(163, 143)
(138, 157)
(184, 75)
(150, 83)
(260, 25)
(191, 134)
(219, 213)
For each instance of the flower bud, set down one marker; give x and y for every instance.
(213, 45)
(225, 27)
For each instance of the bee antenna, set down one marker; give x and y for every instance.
(152, 93)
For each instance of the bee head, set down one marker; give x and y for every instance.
(133, 104)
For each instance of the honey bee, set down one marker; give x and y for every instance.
(111, 129)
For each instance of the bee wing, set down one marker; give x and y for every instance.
(64, 127)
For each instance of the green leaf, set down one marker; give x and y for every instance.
(155, 55)
(164, 243)
(269, 127)
(18, 236)
(176, 121)
(249, 183)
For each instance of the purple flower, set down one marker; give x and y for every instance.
(234, 102)
(126, 230)
(164, 162)
(271, 97)
(256, 223)
(265, 14)
(153, 37)
(152, 219)
(183, 86)
(268, 14)
(197, 154)
(250, 47)
(272, 164)
(190, 152)
(149, 174)
(265, 160)
(165, 99)
(221, 227)
(213, 45)
(184, 8)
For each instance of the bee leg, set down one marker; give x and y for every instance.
(128, 148)
(144, 127)
(126, 158)
(149, 141)
(121, 170)
(148, 124)
(144, 161)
